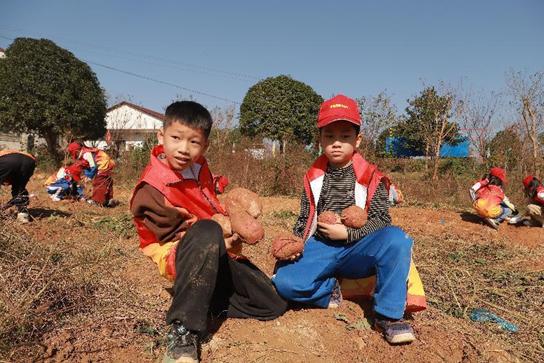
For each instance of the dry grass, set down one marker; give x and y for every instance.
(461, 275)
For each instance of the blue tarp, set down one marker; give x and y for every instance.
(395, 146)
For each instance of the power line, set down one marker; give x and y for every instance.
(147, 78)
(163, 82)
(236, 75)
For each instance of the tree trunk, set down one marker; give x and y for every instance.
(530, 124)
(52, 141)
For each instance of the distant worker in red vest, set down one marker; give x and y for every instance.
(534, 190)
(338, 179)
(172, 205)
(16, 168)
(489, 200)
(97, 166)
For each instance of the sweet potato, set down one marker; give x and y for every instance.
(224, 222)
(286, 245)
(245, 200)
(248, 228)
(353, 216)
(328, 217)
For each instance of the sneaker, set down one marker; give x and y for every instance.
(182, 345)
(395, 331)
(515, 219)
(336, 297)
(491, 223)
(23, 217)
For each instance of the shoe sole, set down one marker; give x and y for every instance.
(491, 224)
(401, 338)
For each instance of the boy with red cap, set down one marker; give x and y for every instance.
(534, 190)
(340, 178)
(489, 200)
(16, 168)
(98, 166)
(172, 205)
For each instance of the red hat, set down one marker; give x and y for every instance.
(338, 108)
(528, 179)
(499, 173)
(73, 148)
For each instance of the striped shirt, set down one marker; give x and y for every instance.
(338, 193)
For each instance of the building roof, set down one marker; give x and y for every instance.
(147, 111)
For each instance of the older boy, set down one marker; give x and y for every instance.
(338, 179)
(172, 204)
(16, 168)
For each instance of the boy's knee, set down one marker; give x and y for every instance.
(283, 285)
(204, 232)
(397, 238)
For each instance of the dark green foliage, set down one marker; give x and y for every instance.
(280, 108)
(506, 149)
(426, 123)
(45, 90)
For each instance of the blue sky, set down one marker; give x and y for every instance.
(221, 48)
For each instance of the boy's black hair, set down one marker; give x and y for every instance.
(493, 180)
(357, 129)
(189, 113)
(531, 188)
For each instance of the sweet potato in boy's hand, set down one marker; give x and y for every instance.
(329, 217)
(354, 217)
(224, 222)
(248, 228)
(244, 199)
(286, 246)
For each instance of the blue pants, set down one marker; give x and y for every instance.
(386, 253)
(506, 212)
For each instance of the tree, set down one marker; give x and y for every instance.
(528, 97)
(46, 91)
(477, 114)
(505, 149)
(280, 108)
(378, 114)
(427, 124)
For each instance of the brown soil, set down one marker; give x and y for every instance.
(126, 323)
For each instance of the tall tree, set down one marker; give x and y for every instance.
(378, 114)
(427, 124)
(46, 91)
(478, 114)
(282, 109)
(505, 149)
(528, 97)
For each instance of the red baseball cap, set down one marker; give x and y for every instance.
(499, 173)
(338, 108)
(73, 149)
(528, 179)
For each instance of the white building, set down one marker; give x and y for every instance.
(130, 125)
(2, 53)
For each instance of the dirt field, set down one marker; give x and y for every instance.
(119, 315)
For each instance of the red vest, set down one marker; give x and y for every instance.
(367, 180)
(192, 190)
(492, 193)
(536, 199)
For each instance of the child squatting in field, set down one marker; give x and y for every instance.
(340, 178)
(172, 205)
(489, 200)
(16, 169)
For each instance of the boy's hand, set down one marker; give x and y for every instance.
(232, 241)
(333, 232)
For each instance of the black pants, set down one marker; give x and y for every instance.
(209, 282)
(16, 169)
